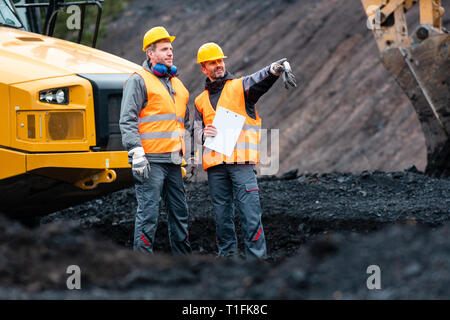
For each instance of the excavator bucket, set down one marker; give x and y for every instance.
(423, 72)
(420, 63)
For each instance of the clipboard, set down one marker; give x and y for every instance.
(229, 126)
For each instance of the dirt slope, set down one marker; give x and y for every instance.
(348, 115)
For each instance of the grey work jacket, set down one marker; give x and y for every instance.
(134, 99)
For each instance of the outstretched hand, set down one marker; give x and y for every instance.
(282, 67)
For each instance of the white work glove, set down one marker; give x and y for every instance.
(282, 67)
(139, 165)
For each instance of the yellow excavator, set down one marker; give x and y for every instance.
(420, 63)
(60, 142)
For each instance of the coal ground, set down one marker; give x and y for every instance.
(323, 231)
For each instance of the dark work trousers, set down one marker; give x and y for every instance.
(238, 180)
(165, 180)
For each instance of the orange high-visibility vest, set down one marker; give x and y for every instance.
(161, 122)
(246, 149)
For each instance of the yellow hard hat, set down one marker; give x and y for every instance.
(208, 52)
(155, 34)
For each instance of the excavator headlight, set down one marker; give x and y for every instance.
(57, 96)
(60, 96)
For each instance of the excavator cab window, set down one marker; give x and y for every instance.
(41, 17)
(7, 15)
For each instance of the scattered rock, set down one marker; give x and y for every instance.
(292, 174)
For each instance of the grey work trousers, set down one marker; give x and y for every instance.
(238, 180)
(165, 180)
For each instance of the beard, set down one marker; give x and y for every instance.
(218, 73)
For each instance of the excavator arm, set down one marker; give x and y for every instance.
(420, 63)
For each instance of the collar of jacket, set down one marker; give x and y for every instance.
(216, 86)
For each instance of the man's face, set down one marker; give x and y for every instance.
(214, 69)
(162, 54)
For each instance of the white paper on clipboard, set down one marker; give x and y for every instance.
(229, 126)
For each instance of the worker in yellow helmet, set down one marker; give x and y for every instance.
(153, 120)
(234, 176)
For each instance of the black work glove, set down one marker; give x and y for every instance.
(191, 170)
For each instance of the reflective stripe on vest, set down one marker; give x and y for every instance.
(246, 149)
(161, 122)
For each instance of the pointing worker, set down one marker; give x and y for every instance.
(234, 175)
(153, 120)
